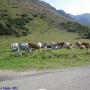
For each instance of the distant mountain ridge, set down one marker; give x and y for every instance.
(62, 12)
(83, 18)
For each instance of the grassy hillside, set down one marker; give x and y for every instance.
(28, 17)
(43, 59)
(82, 30)
(36, 21)
(21, 17)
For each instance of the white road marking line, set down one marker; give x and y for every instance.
(42, 89)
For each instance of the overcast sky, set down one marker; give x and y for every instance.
(74, 7)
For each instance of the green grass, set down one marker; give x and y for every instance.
(50, 36)
(44, 31)
(44, 59)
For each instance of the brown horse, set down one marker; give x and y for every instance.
(87, 45)
(33, 46)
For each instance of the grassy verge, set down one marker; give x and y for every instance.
(44, 59)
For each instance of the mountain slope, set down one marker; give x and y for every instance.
(82, 18)
(23, 17)
(18, 16)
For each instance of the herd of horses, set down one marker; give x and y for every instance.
(30, 47)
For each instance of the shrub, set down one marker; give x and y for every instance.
(24, 33)
(35, 15)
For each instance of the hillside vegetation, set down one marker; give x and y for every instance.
(27, 17)
(75, 27)
(19, 17)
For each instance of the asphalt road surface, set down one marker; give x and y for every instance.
(65, 79)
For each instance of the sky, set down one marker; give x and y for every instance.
(74, 7)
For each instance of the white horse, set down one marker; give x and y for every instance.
(25, 47)
(39, 44)
(18, 47)
(67, 45)
(15, 47)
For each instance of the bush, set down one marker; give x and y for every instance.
(35, 15)
(11, 24)
(88, 35)
(24, 33)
